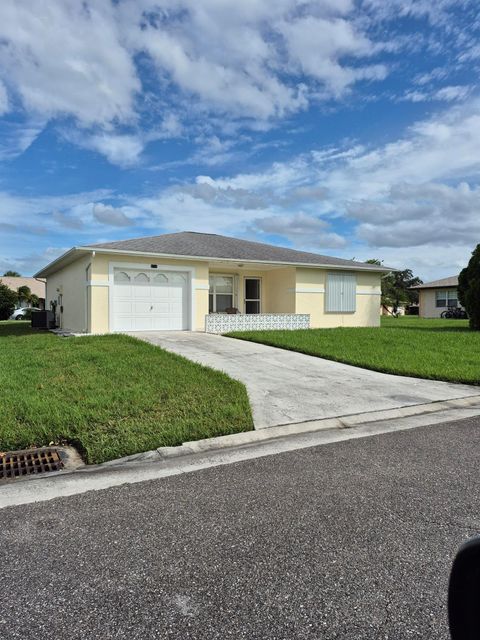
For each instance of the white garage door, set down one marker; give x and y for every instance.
(150, 300)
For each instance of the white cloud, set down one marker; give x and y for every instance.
(452, 93)
(122, 150)
(67, 221)
(414, 215)
(438, 73)
(115, 217)
(170, 127)
(304, 231)
(472, 53)
(66, 58)
(218, 66)
(177, 211)
(43, 214)
(254, 61)
(4, 104)
(449, 93)
(222, 197)
(317, 46)
(16, 137)
(436, 12)
(444, 147)
(30, 263)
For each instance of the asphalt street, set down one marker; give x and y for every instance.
(350, 540)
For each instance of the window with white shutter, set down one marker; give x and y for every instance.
(341, 293)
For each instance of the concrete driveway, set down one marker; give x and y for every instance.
(286, 387)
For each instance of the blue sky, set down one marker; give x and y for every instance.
(340, 127)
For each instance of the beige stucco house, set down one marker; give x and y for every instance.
(437, 296)
(197, 281)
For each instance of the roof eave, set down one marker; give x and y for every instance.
(62, 261)
(436, 286)
(356, 267)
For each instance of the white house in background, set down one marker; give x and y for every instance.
(437, 296)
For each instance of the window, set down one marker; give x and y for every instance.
(142, 278)
(341, 293)
(160, 278)
(252, 295)
(446, 298)
(121, 277)
(220, 295)
(177, 278)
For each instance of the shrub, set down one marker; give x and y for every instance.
(469, 289)
(8, 300)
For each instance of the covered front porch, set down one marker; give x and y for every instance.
(247, 298)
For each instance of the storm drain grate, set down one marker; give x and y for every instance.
(15, 464)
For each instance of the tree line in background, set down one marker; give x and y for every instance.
(10, 299)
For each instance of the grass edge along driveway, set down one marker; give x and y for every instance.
(433, 349)
(110, 395)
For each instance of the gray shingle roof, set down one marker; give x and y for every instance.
(444, 282)
(209, 245)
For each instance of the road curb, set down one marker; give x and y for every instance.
(247, 438)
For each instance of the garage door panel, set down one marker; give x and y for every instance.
(175, 308)
(142, 292)
(158, 301)
(126, 321)
(125, 290)
(160, 292)
(143, 324)
(161, 308)
(141, 308)
(123, 307)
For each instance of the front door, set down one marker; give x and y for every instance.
(252, 295)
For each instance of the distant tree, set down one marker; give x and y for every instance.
(397, 291)
(396, 287)
(34, 300)
(8, 300)
(469, 289)
(12, 274)
(24, 293)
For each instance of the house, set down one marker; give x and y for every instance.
(37, 287)
(197, 281)
(437, 296)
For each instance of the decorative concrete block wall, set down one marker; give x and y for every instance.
(223, 322)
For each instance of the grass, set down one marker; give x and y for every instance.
(411, 346)
(109, 395)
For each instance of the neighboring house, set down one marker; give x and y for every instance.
(37, 287)
(193, 281)
(437, 296)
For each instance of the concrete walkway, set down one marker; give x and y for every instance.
(286, 387)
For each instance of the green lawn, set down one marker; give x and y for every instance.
(109, 395)
(435, 349)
